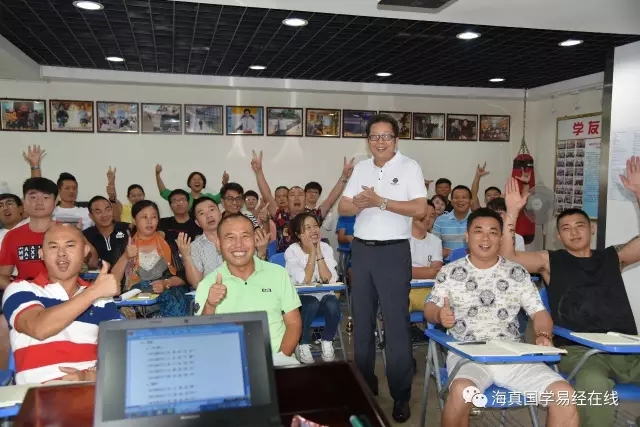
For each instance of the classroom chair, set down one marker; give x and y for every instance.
(456, 254)
(7, 379)
(272, 247)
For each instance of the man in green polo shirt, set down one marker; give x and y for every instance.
(244, 283)
(196, 183)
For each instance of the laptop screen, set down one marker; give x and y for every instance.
(186, 369)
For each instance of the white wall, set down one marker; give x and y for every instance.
(287, 161)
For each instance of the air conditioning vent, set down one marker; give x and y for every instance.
(431, 6)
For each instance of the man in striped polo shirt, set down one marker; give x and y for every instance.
(54, 319)
(450, 227)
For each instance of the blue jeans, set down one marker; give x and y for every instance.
(329, 307)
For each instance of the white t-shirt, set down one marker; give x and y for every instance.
(520, 243)
(400, 179)
(72, 216)
(296, 262)
(425, 251)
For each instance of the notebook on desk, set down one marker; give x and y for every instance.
(610, 338)
(186, 371)
(498, 348)
(316, 285)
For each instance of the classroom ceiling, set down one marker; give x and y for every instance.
(207, 39)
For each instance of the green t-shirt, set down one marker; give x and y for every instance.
(215, 197)
(268, 289)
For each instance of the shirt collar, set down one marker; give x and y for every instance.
(394, 159)
(452, 217)
(43, 280)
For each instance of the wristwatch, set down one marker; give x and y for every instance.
(383, 206)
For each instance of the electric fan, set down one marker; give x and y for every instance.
(540, 208)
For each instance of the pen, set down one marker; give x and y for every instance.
(471, 342)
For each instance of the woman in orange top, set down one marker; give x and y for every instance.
(147, 263)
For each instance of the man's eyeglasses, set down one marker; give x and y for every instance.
(384, 136)
(8, 204)
(238, 199)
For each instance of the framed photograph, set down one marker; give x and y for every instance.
(71, 116)
(284, 121)
(462, 127)
(428, 126)
(321, 122)
(243, 120)
(495, 128)
(29, 115)
(404, 122)
(161, 118)
(118, 117)
(354, 123)
(203, 119)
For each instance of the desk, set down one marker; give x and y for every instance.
(335, 287)
(138, 302)
(90, 275)
(326, 393)
(422, 283)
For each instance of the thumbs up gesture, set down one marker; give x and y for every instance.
(217, 292)
(447, 319)
(105, 285)
(132, 249)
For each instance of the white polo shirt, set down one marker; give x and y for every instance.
(400, 179)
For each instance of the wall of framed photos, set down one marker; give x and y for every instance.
(288, 160)
(30, 115)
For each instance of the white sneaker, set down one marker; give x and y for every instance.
(328, 353)
(303, 351)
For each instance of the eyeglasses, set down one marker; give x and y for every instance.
(7, 204)
(384, 136)
(238, 199)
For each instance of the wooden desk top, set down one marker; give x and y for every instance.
(326, 393)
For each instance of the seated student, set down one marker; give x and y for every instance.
(181, 221)
(309, 260)
(68, 209)
(11, 211)
(147, 263)
(232, 195)
(586, 293)
(426, 256)
(440, 202)
(135, 193)
(478, 298)
(498, 205)
(443, 188)
(451, 227)
(244, 283)
(201, 256)
(54, 318)
(107, 236)
(196, 183)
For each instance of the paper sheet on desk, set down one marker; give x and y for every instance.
(316, 285)
(12, 395)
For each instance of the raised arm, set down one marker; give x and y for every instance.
(112, 195)
(533, 262)
(34, 156)
(629, 253)
(263, 186)
(162, 189)
(336, 191)
(475, 186)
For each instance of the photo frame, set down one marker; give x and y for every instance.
(161, 118)
(118, 117)
(429, 126)
(71, 116)
(200, 119)
(322, 123)
(404, 120)
(283, 121)
(354, 123)
(245, 120)
(462, 127)
(23, 115)
(495, 128)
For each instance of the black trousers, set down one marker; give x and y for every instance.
(382, 274)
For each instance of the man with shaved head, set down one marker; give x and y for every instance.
(54, 318)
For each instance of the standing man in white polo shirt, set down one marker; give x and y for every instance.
(384, 193)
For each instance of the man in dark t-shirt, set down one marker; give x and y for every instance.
(180, 222)
(586, 294)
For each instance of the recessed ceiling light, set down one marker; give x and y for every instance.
(383, 74)
(468, 35)
(295, 22)
(88, 5)
(496, 80)
(114, 59)
(258, 67)
(570, 42)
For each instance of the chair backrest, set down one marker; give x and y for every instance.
(271, 248)
(544, 297)
(278, 259)
(456, 254)
(12, 361)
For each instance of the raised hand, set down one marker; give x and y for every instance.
(225, 178)
(525, 177)
(305, 240)
(256, 161)
(632, 179)
(263, 214)
(105, 285)
(34, 155)
(217, 292)
(262, 241)
(347, 168)
(111, 175)
(427, 183)
(132, 249)
(184, 244)
(482, 170)
(158, 169)
(514, 200)
(79, 224)
(446, 316)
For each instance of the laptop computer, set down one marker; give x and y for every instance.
(186, 371)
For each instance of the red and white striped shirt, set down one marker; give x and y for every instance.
(74, 347)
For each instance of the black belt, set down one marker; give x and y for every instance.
(379, 242)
